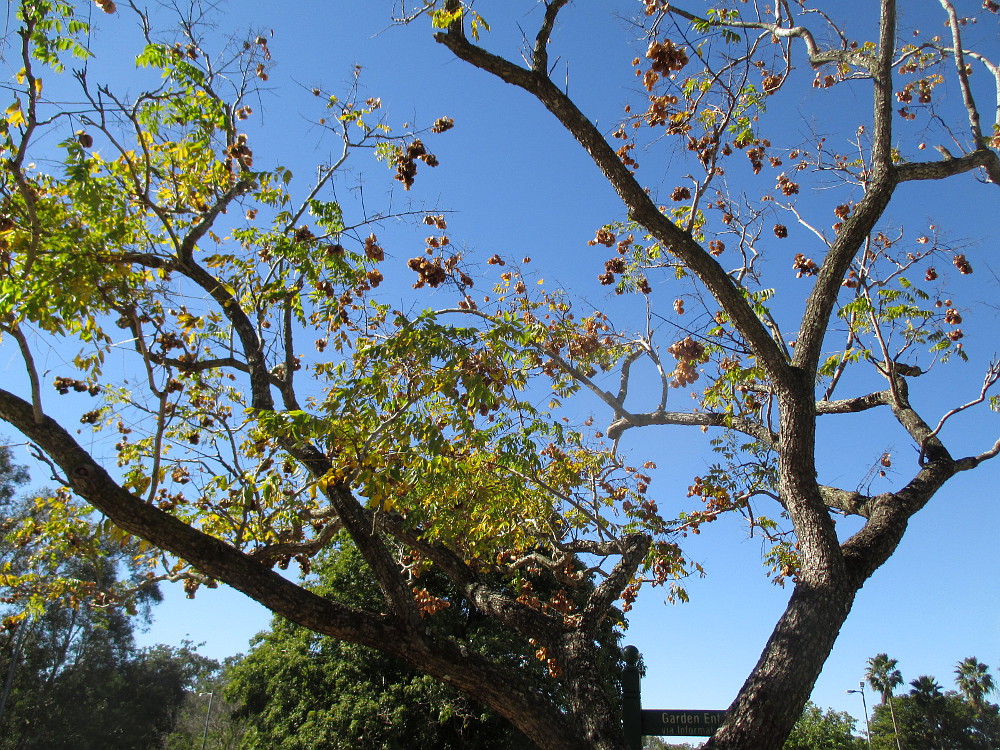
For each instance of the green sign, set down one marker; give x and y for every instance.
(638, 722)
(678, 723)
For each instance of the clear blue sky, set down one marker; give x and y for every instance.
(518, 185)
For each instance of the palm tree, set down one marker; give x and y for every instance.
(883, 676)
(974, 680)
(927, 695)
(925, 690)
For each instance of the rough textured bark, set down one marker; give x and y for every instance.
(771, 700)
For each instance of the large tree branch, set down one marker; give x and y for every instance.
(271, 552)
(697, 419)
(888, 516)
(633, 549)
(952, 165)
(854, 405)
(926, 438)
(852, 503)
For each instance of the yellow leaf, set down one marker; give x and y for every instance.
(14, 115)
(138, 485)
(324, 481)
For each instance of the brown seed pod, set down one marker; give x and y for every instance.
(963, 265)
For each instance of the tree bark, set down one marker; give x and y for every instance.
(771, 700)
(599, 720)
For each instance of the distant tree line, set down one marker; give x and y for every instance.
(930, 717)
(72, 676)
(925, 718)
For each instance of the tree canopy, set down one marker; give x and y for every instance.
(235, 390)
(831, 730)
(927, 716)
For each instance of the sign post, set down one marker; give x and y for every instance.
(631, 699)
(638, 722)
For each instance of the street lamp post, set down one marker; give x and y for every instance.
(208, 715)
(864, 704)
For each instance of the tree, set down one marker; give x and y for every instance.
(926, 690)
(77, 681)
(416, 433)
(928, 718)
(823, 730)
(205, 717)
(712, 112)
(974, 680)
(883, 676)
(421, 444)
(68, 654)
(73, 677)
(11, 476)
(655, 743)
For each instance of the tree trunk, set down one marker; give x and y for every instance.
(895, 727)
(772, 698)
(591, 707)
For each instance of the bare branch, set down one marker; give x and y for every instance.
(989, 380)
(817, 56)
(971, 462)
(540, 55)
(963, 74)
(29, 363)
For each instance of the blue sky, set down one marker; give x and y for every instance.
(518, 185)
